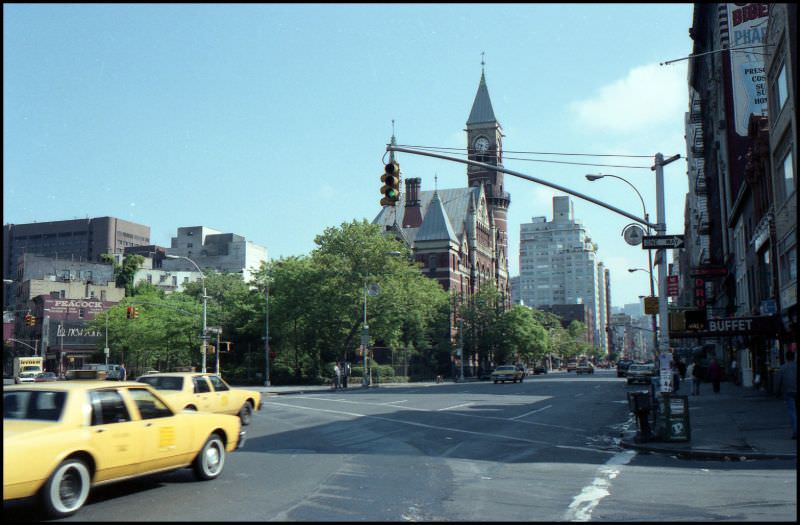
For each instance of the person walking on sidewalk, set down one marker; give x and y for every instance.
(336, 376)
(787, 384)
(715, 374)
(735, 371)
(697, 377)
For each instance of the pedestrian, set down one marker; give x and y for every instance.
(676, 376)
(714, 374)
(787, 384)
(345, 373)
(682, 368)
(337, 376)
(122, 374)
(697, 377)
(735, 371)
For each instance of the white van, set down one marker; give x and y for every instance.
(112, 371)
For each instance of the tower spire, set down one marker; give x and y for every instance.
(393, 142)
(482, 62)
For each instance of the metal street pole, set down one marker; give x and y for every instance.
(365, 337)
(204, 335)
(106, 350)
(266, 334)
(661, 229)
(461, 347)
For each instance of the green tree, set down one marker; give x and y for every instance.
(524, 337)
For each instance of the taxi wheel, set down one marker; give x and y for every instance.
(209, 462)
(67, 489)
(246, 413)
(190, 408)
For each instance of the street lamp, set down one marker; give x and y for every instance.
(365, 380)
(204, 337)
(593, 178)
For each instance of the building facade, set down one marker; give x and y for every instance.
(79, 239)
(214, 250)
(558, 265)
(460, 235)
(740, 147)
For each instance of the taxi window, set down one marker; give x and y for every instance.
(218, 383)
(163, 382)
(33, 404)
(200, 385)
(108, 407)
(150, 407)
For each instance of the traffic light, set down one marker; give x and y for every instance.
(391, 184)
(129, 312)
(30, 320)
(135, 313)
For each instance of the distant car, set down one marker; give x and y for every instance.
(63, 438)
(44, 377)
(204, 392)
(572, 366)
(585, 368)
(539, 369)
(640, 373)
(505, 373)
(622, 367)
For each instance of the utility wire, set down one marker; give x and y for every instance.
(459, 151)
(533, 152)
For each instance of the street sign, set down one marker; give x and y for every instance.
(672, 285)
(702, 271)
(654, 242)
(650, 305)
(214, 329)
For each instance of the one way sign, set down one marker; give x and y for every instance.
(654, 242)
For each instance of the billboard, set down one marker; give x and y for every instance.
(747, 26)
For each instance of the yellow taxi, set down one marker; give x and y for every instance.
(205, 392)
(61, 439)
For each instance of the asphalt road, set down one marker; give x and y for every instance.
(543, 450)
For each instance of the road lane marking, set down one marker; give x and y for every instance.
(584, 503)
(400, 401)
(434, 427)
(532, 412)
(536, 423)
(454, 406)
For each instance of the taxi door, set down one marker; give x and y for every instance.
(165, 441)
(113, 435)
(222, 400)
(203, 396)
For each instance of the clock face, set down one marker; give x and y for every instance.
(482, 144)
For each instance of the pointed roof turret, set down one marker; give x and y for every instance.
(482, 107)
(435, 226)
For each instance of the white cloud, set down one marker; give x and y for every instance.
(648, 96)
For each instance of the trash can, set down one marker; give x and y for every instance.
(640, 404)
(673, 421)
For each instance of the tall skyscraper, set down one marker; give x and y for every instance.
(558, 265)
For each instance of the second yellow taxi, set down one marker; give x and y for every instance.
(204, 392)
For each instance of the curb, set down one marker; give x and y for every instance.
(705, 454)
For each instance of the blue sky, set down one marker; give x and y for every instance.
(270, 121)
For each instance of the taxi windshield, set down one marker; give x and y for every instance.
(43, 405)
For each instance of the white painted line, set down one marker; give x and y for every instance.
(314, 398)
(423, 425)
(578, 395)
(584, 503)
(454, 406)
(399, 401)
(532, 412)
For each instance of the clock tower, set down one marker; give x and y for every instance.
(485, 144)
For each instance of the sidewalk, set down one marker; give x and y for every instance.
(737, 423)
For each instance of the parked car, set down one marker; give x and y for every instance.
(505, 373)
(45, 377)
(539, 369)
(572, 366)
(205, 392)
(585, 367)
(640, 373)
(622, 367)
(61, 439)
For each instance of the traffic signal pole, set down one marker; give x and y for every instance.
(392, 148)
